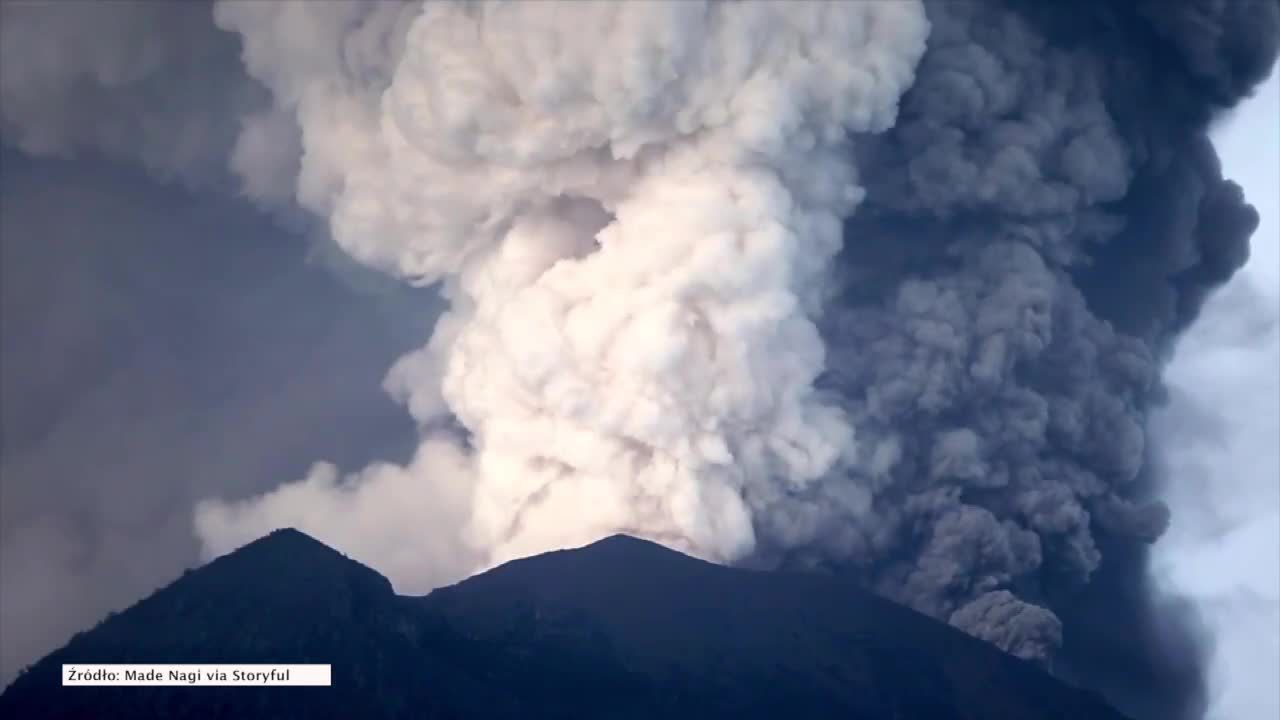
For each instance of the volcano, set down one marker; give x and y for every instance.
(622, 628)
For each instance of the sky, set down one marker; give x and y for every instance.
(1219, 436)
(158, 343)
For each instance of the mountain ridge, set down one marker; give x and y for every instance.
(619, 628)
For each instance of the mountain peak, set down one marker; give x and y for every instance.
(286, 540)
(290, 534)
(287, 558)
(623, 627)
(632, 545)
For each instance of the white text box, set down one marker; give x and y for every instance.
(207, 674)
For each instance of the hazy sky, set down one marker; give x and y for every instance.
(158, 344)
(1223, 548)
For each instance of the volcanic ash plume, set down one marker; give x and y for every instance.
(633, 208)
(1060, 216)
(767, 282)
(712, 286)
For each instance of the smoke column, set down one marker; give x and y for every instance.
(878, 288)
(633, 208)
(657, 329)
(1067, 216)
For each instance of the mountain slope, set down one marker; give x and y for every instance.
(622, 628)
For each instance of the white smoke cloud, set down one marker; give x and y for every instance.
(404, 520)
(631, 207)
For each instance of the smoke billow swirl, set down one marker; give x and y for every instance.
(636, 250)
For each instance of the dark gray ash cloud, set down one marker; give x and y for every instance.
(1059, 216)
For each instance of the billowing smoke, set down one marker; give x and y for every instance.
(633, 208)
(1064, 217)
(874, 287)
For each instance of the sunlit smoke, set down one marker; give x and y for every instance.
(635, 249)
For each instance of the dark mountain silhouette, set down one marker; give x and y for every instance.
(622, 628)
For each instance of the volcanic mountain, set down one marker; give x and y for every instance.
(622, 628)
